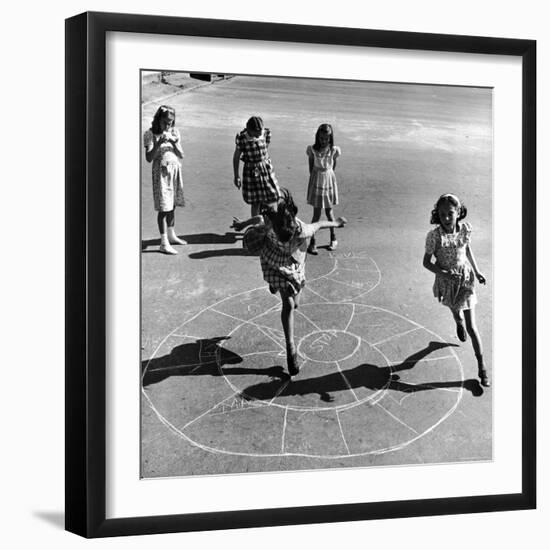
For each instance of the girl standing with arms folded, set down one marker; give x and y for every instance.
(455, 271)
(163, 148)
(280, 239)
(259, 184)
(322, 190)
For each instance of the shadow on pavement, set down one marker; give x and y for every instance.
(363, 376)
(204, 357)
(199, 238)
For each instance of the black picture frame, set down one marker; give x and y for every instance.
(86, 273)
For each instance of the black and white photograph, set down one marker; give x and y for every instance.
(316, 273)
(274, 275)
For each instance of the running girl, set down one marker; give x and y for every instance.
(455, 271)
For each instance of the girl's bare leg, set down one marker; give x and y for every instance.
(287, 320)
(170, 218)
(312, 249)
(163, 220)
(471, 326)
(459, 320)
(330, 218)
(171, 221)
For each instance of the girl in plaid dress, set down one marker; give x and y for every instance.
(163, 148)
(280, 239)
(455, 270)
(259, 184)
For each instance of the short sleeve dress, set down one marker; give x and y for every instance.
(322, 189)
(259, 182)
(449, 250)
(167, 172)
(283, 264)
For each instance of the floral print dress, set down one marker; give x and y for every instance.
(449, 250)
(167, 173)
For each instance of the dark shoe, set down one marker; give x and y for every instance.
(461, 331)
(483, 376)
(292, 363)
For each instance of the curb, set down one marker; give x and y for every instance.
(182, 91)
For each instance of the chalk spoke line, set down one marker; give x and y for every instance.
(397, 419)
(395, 336)
(342, 432)
(346, 381)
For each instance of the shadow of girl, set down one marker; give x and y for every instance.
(363, 376)
(205, 357)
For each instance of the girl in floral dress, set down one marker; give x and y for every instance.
(163, 148)
(322, 190)
(455, 270)
(259, 184)
(280, 239)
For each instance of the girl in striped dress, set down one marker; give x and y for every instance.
(280, 239)
(322, 190)
(259, 184)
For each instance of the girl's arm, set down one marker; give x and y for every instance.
(340, 222)
(310, 161)
(433, 267)
(239, 224)
(176, 142)
(152, 153)
(337, 153)
(472, 260)
(236, 160)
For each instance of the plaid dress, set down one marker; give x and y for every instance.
(283, 264)
(449, 250)
(259, 181)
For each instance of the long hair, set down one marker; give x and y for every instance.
(283, 219)
(454, 201)
(324, 129)
(162, 111)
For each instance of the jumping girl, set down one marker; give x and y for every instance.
(280, 239)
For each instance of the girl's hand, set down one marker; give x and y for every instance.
(481, 278)
(341, 221)
(237, 182)
(237, 224)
